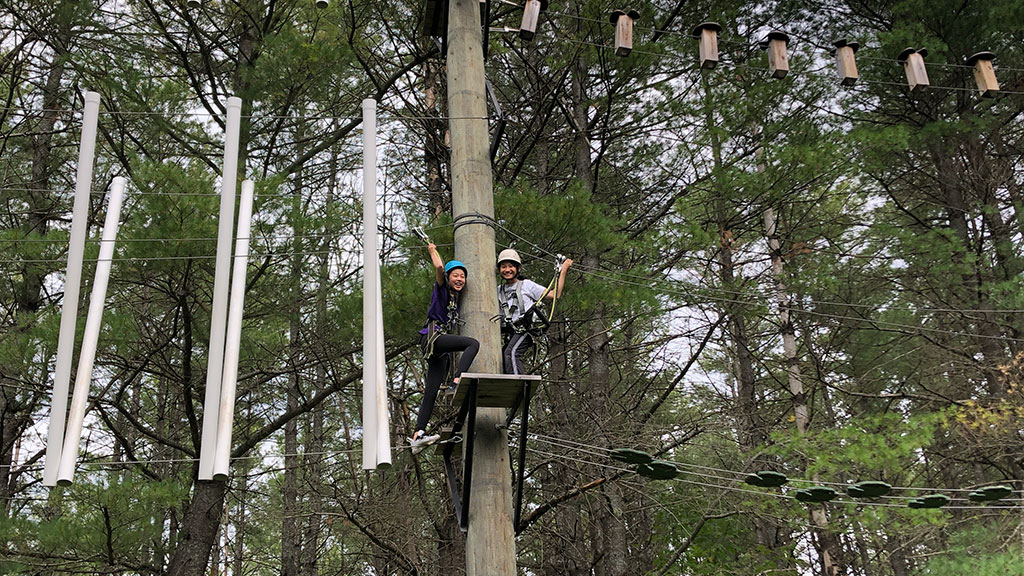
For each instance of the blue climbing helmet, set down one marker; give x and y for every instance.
(452, 265)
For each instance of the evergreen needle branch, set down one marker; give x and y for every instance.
(685, 544)
(142, 428)
(382, 90)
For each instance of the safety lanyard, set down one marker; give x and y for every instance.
(506, 306)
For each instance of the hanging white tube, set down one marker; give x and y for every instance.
(225, 419)
(218, 314)
(376, 429)
(383, 422)
(93, 323)
(370, 424)
(72, 286)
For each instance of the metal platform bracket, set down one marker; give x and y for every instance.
(486, 391)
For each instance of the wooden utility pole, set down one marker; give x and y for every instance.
(490, 545)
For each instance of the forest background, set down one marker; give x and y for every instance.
(783, 275)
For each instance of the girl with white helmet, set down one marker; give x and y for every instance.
(516, 299)
(440, 341)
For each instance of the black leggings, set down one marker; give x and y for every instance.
(437, 366)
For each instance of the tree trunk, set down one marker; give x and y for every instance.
(290, 534)
(16, 407)
(750, 432)
(615, 548)
(898, 558)
(825, 541)
(200, 523)
(611, 551)
(291, 537)
(558, 559)
(240, 524)
(439, 202)
(314, 469)
(314, 441)
(989, 336)
(197, 534)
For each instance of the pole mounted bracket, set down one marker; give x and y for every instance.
(474, 390)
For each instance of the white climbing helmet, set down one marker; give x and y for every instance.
(510, 255)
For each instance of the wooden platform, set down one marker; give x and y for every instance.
(495, 390)
(510, 391)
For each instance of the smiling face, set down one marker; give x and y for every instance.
(457, 279)
(508, 271)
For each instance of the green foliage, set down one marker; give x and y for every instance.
(573, 223)
(975, 549)
(879, 446)
(1004, 564)
(900, 253)
(107, 525)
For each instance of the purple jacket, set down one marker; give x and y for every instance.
(438, 310)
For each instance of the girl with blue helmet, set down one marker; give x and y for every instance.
(440, 341)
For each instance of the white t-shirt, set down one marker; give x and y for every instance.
(509, 293)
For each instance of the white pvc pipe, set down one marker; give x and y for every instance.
(370, 423)
(222, 457)
(383, 422)
(218, 314)
(72, 285)
(376, 437)
(93, 322)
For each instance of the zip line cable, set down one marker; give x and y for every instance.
(738, 41)
(737, 476)
(563, 457)
(912, 328)
(699, 292)
(800, 481)
(595, 451)
(97, 240)
(546, 439)
(254, 117)
(396, 142)
(754, 297)
(750, 47)
(861, 82)
(616, 277)
(399, 118)
(118, 463)
(720, 487)
(252, 256)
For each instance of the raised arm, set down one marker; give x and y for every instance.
(557, 293)
(435, 259)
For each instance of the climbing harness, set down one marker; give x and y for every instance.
(533, 323)
(536, 311)
(435, 328)
(509, 305)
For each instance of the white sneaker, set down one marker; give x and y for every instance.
(418, 444)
